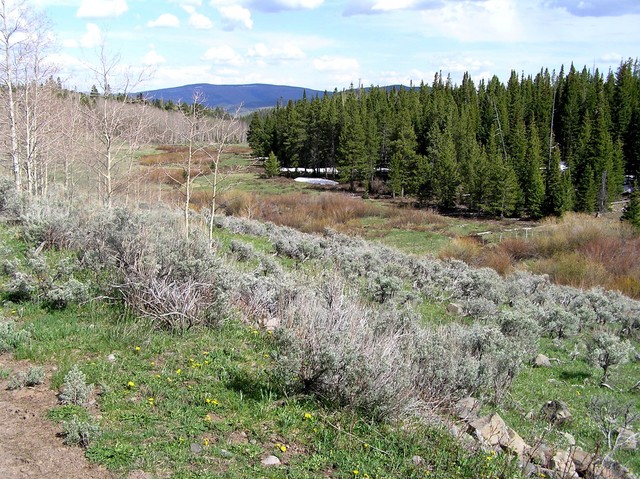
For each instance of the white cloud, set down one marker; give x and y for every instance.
(70, 43)
(194, 3)
(270, 5)
(101, 8)
(223, 54)
(285, 52)
(335, 64)
(200, 22)
(236, 16)
(492, 20)
(165, 20)
(197, 20)
(93, 36)
(153, 58)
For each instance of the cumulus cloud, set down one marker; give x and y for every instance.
(335, 64)
(368, 7)
(92, 37)
(101, 8)
(223, 54)
(153, 58)
(283, 53)
(197, 20)
(166, 20)
(236, 16)
(270, 5)
(598, 8)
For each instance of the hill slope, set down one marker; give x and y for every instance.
(229, 97)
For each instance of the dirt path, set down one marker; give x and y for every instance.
(30, 447)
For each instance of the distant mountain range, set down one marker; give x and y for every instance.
(230, 97)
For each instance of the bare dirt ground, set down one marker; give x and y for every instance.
(30, 444)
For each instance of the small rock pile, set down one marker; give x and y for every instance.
(540, 460)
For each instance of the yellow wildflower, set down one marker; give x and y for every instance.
(131, 384)
(307, 415)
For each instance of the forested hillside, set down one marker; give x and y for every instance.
(536, 146)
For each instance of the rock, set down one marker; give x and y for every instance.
(195, 448)
(541, 361)
(491, 430)
(417, 460)
(516, 444)
(538, 454)
(582, 460)
(455, 309)
(562, 465)
(627, 439)
(611, 470)
(467, 409)
(270, 461)
(111, 358)
(225, 453)
(571, 441)
(556, 412)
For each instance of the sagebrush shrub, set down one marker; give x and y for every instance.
(21, 287)
(243, 251)
(32, 377)
(10, 337)
(61, 295)
(80, 433)
(75, 389)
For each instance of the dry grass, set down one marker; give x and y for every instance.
(175, 154)
(414, 219)
(577, 250)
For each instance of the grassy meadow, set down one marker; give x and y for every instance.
(359, 374)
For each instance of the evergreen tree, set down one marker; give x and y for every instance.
(442, 157)
(631, 213)
(534, 187)
(554, 198)
(271, 166)
(352, 152)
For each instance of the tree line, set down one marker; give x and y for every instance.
(539, 145)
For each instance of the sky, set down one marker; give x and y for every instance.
(328, 44)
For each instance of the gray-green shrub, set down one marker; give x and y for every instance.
(10, 337)
(75, 389)
(80, 433)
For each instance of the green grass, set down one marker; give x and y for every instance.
(210, 391)
(574, 382)
(415, 242)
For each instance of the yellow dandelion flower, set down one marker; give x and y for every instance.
(307, 415)
(207, 418)
(205, 442)
(206, 353)
(283, 448)
(181, 439)
(208, 400)
(158, 376)
(169, 380)
(215, 402)
(137, 348)
(131, 384)
(178, 371)
(355, 472)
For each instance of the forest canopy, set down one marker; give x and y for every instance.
(537, 146)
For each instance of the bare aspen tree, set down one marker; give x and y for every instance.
(226, 130)
(195, 125)
(13, 35)
(25, 40)
(116, 125)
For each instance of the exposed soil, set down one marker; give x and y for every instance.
(30, 445)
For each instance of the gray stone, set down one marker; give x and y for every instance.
(491, 430)
(455, 309)
(225, 453)
(562, 465)
(111, 358)
(582, 460)
(270, 461)
(467, 409)
(627, 439)
(195, 448)
(541, 361)
(571, 441)
(417, 460)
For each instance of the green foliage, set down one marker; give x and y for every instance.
(80, 433)
(606, 350)
(271, 166)
(10, 337)
(75, 389)
(631, 213)
(33, 377)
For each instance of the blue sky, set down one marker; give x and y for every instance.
(327, 44)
